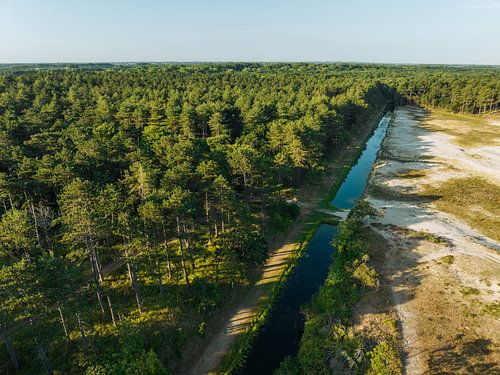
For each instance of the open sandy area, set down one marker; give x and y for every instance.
(441, 270)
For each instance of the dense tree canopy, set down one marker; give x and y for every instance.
(132, 198)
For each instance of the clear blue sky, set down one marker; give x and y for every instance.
(406, 31)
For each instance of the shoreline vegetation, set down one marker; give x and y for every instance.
(135, 201)
(329, 342)
(235, 359)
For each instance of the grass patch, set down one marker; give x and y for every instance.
(382, 192)
(467, 130)
(386, 193)
(412, 173)
(474, 200)
(469, 291)
(448, 260)
(429, 237)
(492, 309)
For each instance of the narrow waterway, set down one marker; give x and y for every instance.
(354, 184)
(281, 335)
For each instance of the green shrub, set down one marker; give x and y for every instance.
(347, 349)
(128, 357)
(289, 366)
(365, 275)
(469, 291)
(448, 260)
(312, 354)
(281, 214)
(384, 359)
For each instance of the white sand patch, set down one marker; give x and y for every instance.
(409, 142)
(414, 157)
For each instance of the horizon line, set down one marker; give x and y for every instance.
(118, 62)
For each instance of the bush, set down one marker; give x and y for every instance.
(384, 359)
(128, 357)
(365, 275)
(312, 354)
(289, 366)
(282, 214)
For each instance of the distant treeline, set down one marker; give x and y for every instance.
(133, 198)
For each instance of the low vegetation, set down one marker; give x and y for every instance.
(430, 237)
(467, 130)
(330, 344)
(492, 309)
(412, 173)
(474, 200)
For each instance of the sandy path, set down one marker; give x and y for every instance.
(423, 289)
(239, 318)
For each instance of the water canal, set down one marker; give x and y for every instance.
(281, 335)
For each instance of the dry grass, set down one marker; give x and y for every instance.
(449, 323)
(467, 130)
(413, 173)
(473, 200)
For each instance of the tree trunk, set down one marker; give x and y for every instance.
(95, 273)
(82, 329)
(91, 244)
(188, 249)
(98, 264)
(126, 241)
(184, 270)
(96, 282)
(169, 266)
(35, 221)
(222, 227)
(129, 271)
(49, 243)
(207, 218)
(263, 211)
(136, 289)
(111, 310)
(63, 322)
(159, 275)
(167, 252)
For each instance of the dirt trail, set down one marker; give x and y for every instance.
(238, 319)
(443, 275)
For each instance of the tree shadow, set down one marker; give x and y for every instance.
(462, 357)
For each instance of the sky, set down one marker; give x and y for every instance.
(379, 31)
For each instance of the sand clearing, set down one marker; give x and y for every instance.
(442, 274)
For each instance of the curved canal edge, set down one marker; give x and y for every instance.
(234, 360)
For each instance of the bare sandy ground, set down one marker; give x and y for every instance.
(443, 275)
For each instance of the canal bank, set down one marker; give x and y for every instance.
(232, 332)
(279, 335)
